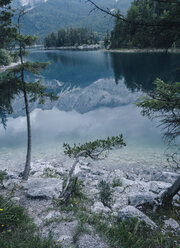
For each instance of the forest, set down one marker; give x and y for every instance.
(148, 24)
(71, 37)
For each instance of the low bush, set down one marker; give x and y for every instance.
(105, 193)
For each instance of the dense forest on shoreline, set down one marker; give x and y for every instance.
(156, 17)
(71, 37)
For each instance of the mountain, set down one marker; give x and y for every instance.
(45, 16)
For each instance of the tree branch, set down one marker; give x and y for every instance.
(122, 18)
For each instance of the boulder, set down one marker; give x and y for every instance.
(126, 182)
(88, 241)
(44, 188)
(157, 186)
(119, 189)
(139, 199)
(120, 198)
(169, 177)
(11, 183)
(166, 176)
(132, 212)
(172, 224)
(16, 200)
(99, 207)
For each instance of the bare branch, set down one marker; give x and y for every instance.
(145, 24)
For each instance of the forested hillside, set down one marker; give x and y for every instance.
(148, 25)
(49, 16)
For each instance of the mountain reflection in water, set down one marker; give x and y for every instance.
(97, 94)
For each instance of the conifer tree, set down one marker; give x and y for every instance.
(164, 103)
(32, 91)
(7, 31)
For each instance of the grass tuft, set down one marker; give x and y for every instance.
(17, 230)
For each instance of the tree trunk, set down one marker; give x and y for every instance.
(167, 196)
(71, 172)
(28, 155)
(69, 176)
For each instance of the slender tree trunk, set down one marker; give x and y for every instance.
(71, 172)
(167, 196)
(69, 176)
(28, 155)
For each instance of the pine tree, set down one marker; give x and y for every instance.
(7, 31)
(164, 103)
(32, 91)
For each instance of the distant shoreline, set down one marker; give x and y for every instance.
(148, 50)
(122, 50)
(12, 65)
(82, 47)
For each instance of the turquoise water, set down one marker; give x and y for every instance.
(98, 91)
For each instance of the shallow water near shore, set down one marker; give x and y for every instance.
(97, 93)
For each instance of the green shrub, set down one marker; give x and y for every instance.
(116, 182)
(105, 193)
(49, 173)
(17, 229)
(5, 57)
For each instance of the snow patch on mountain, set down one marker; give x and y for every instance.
(29, 3)
(102, 93)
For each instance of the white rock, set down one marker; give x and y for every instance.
(138, 199)
(16, 200)
(169, 177)
(99, 207)
(126, 182)
(132, 212)
(171, 223)
(52, 214)
(44, 188)
(119, 189)
(158, 186)
(11, 183)
(64, 238)
(88, 241)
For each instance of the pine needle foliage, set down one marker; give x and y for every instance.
(163, 103)
(95, 148)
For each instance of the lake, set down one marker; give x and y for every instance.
(98, 91)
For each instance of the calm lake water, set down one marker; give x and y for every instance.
(98, 91)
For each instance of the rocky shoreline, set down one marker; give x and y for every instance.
(129, 191)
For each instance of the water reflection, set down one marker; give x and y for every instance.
(139, 70)
(81, 68)
(57, 126)
(99, 91)
(75, 68)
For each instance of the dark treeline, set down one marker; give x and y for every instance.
(71, 37)
(157, 35)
